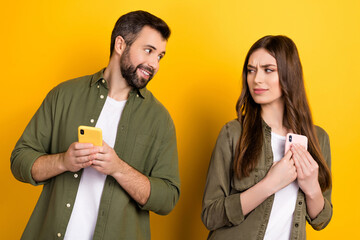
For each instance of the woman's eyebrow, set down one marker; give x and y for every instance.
(268, 65)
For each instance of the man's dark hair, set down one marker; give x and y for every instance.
(129, 25)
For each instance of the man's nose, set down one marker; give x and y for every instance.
(154, 64)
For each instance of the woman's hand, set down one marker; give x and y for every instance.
(282, 173)
(307, 169)
(307, 176)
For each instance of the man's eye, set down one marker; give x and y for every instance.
(160, 57)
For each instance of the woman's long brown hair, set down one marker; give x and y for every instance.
(297, 115)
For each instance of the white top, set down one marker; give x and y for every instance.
(84, 214)
(280, 221)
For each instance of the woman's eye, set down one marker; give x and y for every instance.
(268, 70)
(250, 70)
(148, 50)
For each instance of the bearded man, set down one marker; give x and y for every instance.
(104, 192)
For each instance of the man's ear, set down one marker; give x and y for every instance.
(119, 45)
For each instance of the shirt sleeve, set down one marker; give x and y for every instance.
(34, 142)
(220, 207)
(164, 178)
(324, 217)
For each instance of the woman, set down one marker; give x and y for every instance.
(254, 190)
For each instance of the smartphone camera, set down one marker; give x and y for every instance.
(82, 131)
(290, 138)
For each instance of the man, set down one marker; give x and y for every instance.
(104, 192)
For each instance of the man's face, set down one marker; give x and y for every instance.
(140, 61)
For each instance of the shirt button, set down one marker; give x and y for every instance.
(68, 205)
(137, 95)
(92, 120)
(103, 81)
(98, 86)
(59, 234)
(102, 96)
(300, 202)
(76, 175)
(296, 225)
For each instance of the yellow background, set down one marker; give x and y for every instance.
(46, 42)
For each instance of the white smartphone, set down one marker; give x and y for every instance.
(88, 134)
(295, 138)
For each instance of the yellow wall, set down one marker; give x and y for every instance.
(46, 42)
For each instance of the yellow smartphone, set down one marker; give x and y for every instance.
(88, 134)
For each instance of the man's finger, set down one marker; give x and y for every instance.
(78, 146)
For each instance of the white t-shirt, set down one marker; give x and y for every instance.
(280, 221)
(84, 214)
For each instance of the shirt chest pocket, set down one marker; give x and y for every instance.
(144, 153)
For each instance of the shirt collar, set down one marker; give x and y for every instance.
(99, 76)
(140, 92)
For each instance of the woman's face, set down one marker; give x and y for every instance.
(263, 78)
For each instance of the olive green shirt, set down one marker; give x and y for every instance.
(145, 140)
(222, 211)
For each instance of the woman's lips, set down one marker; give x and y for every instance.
(259, 90)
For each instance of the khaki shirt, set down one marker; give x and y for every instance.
(145, 140)
(222, 211)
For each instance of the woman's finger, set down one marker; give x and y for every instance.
(298, 167)
(301, 156)
(305, 155)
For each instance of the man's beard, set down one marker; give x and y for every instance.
(129, 71)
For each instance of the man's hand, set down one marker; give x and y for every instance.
(78, 156)
(136, 184)
(107, 161)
